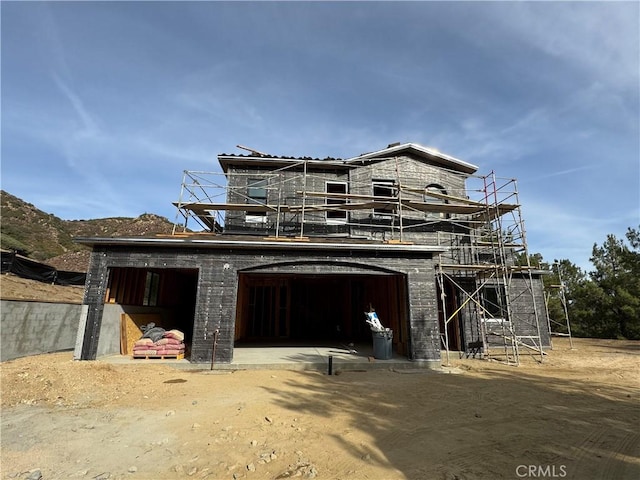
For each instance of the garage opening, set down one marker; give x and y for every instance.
(136, 297)
(322, 309)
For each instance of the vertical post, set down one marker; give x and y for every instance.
(399, 198)
(279, 202)
(179, 206)
(304, 198)
(498, 252)
(443, 299)
(213, 353)
(563, 299)
(523, 236)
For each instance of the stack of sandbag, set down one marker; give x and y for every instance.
(144, 347)
(169, 343)
(172, 343)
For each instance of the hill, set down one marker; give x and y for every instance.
(46, 238)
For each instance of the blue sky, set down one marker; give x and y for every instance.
(105, 104)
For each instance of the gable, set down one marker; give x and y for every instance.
(418, 152)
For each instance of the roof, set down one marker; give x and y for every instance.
(427, 153)
(273, 161)
(421, 151)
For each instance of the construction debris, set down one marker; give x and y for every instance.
(374, 321)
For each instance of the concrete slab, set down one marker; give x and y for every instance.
(292, 358)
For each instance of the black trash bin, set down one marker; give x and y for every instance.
(383, 345)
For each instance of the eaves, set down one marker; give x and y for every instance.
(253, 244)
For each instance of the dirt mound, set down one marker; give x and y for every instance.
(17, 288)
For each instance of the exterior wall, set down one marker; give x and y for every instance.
(423, 301)
(408, 170)
(31, 328)
(282, 188)
(238, 181)
(522, 289)
(470, 327)
(218, 289)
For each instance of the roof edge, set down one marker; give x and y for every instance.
(225, 159)
(420, 149)
(248, 244)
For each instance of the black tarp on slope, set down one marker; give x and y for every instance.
(27, 268)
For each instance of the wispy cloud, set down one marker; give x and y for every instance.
(569, 171)
(89, 125)
(583, 34)
(52, 50)
(187, 154)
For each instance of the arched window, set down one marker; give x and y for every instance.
(433, 195)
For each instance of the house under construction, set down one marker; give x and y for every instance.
(293, 250)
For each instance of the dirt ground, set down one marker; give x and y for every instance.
(13, 287)
(575, 416)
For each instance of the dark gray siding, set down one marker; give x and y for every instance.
(523, 293)
(217, 291)
(283, 187)
(419, 227)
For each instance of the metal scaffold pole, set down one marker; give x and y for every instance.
(564, 306)
(399, 190)
(536, 315)
(304, 199)
(179, 210)
(495, 239)
(443, 299)
(561, 287)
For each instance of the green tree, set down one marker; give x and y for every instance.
(617, 276)
(564, 281)
(606, 302)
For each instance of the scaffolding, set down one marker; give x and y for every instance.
(204, 197)
(558, 291)
(479, 228)
(486, 259)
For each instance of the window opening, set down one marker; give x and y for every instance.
(337, 215)
(257, 194)
(434, 200)
(384, 188)
(495, 301)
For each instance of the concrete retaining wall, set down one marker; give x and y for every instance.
(31, 328)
